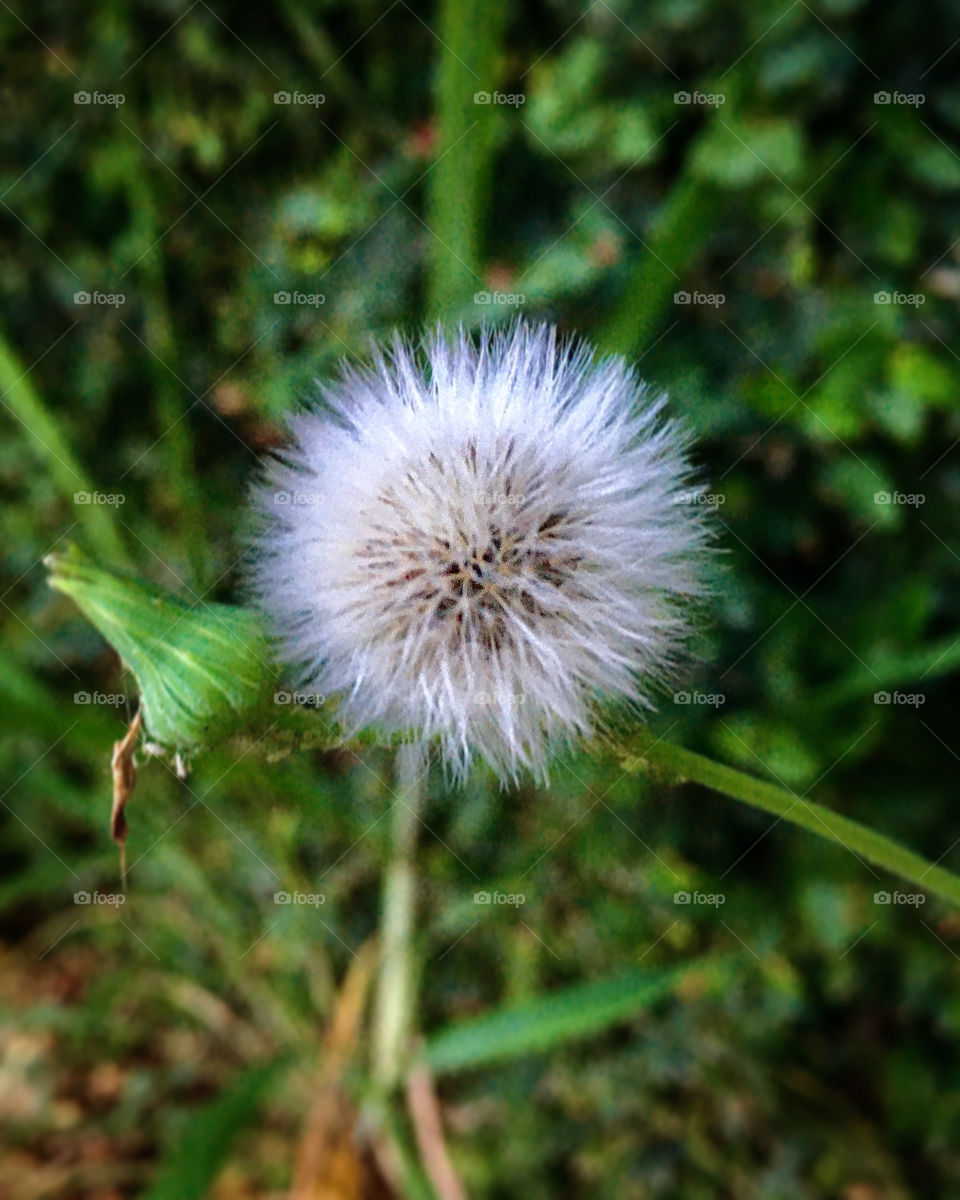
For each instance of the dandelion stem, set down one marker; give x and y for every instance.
(395, 991)
(665, 760)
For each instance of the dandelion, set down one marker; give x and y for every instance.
(481, 545)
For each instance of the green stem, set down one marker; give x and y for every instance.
(459, 184)
(395, 988)
(680, 766)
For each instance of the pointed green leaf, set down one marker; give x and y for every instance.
(202, 669)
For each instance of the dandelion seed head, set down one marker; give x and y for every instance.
(478, 543)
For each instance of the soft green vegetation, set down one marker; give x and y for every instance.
(600, 1036)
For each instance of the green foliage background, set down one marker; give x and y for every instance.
(802, 1040)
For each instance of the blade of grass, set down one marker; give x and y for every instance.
(45, 434)
(539, 1024)
(193, 1163)
(678, 234)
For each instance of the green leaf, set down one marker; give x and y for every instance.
(194, 1162)
(736, 154)
(558, 1017)
(202, 669)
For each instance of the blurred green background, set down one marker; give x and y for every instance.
(793, 171)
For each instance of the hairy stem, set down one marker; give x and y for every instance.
(395, 989)
(646, 751)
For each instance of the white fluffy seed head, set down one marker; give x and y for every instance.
(479, 543)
